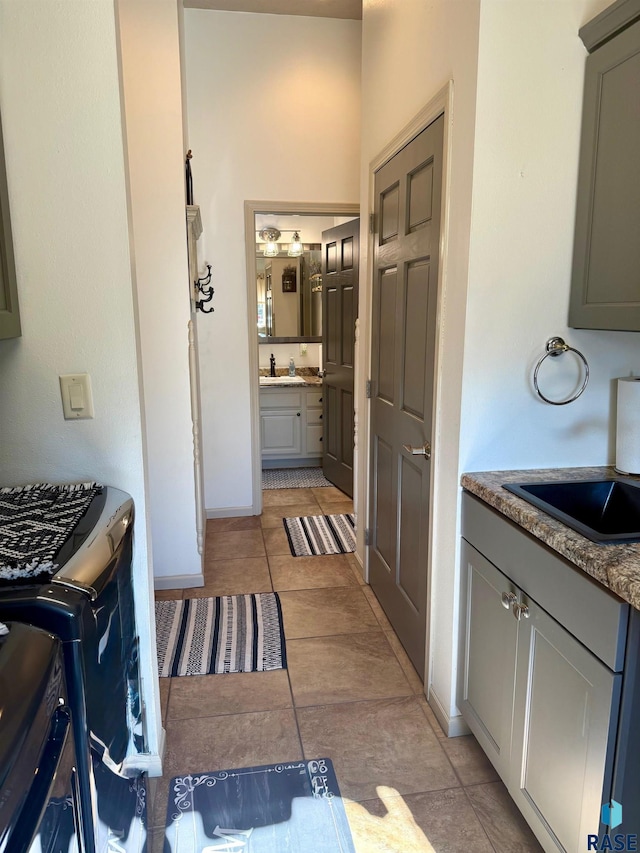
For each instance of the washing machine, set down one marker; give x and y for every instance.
(84, 596)
(39, 804)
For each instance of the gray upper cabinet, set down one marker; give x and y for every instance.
(9, 313)
(605, 288)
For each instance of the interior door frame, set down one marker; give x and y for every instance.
(440, 104)
(251, 207)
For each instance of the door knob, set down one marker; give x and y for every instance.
(508, 598)
(521, 611)
(425, 450)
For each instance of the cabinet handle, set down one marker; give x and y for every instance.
(520, 611)
(319, 417)
(508, 599)
(320, 399)
(297, 414)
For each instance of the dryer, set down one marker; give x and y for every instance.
(88, 602)
(39, 806)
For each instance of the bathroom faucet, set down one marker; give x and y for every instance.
(272, 365)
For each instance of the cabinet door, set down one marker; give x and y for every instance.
(488, 668)
(604, 287)
(281, 432)
(562, 715)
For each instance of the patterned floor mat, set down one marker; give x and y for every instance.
(293, 478)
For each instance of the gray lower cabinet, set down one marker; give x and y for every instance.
(490, 641)
(543, 706)
(605, 287)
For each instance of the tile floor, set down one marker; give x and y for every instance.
(350, 693)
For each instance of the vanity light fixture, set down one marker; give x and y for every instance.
(295, 246)
(270, 236)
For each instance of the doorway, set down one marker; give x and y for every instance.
(266, 209)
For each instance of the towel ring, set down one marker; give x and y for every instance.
(557, 346)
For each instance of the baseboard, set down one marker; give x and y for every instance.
(178, 581)
(309, 462)
(230, 512)
(451, 726)
(359, 560)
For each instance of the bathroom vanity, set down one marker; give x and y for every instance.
(291, 423)
(548, 676)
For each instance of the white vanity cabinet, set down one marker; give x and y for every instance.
(540, 675)
(291, 426)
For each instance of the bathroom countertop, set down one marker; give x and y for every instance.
(308, 380)
(616, 567)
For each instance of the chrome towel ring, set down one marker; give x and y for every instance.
(557, 346)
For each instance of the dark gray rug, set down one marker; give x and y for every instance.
(230, 633)
(293, 478)
(313, 535)
(35, 521)
(294, 806)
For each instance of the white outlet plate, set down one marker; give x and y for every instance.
(77, 400)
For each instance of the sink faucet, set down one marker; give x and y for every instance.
(272, 365)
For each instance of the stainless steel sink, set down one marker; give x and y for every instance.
(605, 511)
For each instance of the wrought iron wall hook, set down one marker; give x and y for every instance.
(203, 285)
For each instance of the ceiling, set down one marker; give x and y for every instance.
(311, 8)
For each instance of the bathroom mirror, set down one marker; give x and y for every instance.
(289, 296)
(288, 290)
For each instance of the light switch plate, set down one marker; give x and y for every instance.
(77, 400)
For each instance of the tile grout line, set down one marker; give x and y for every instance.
(295, 716)
(477, 814)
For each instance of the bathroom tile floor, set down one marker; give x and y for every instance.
(350, 693)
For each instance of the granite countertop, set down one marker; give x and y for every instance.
(616, 567)
(308, 375)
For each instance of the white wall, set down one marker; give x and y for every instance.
(523, 221)
(410, 51)
(152, 103)
(244, 72)
(514, 167)
(530, 80)
(60, 106)
(283, 352)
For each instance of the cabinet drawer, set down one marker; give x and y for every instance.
(314, 416)
(314, 398)
(280, 399)
(314, 439)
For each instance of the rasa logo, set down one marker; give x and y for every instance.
(611, 816)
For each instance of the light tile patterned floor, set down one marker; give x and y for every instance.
(350, 693)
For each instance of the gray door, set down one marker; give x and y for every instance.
(340, 252)
(407, 231)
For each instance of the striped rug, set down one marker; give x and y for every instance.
(312, 535)
(231, 633)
